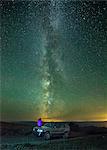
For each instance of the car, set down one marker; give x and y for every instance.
(49, 130)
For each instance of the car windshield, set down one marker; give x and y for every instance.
(47, 124)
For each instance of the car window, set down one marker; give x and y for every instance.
(58, 125)
(62, 125)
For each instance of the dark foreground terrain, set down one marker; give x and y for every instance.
(18, 136)
(97, 142)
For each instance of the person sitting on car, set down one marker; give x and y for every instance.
(39, 122)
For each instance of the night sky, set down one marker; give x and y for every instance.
(54, 60)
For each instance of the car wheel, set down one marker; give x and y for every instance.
(66, 135)
(47, 136)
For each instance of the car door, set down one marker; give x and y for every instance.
(57, 129)
(54, 129)
(61, 128)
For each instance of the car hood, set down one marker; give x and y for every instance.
(42, 128)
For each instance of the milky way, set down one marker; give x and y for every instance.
(54, 60)
(49, 55)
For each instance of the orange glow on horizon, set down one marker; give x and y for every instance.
(51, 120)
(101, 117)
(81, 120)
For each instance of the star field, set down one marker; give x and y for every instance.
(54, 60)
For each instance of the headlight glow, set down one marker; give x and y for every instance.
(39, 130)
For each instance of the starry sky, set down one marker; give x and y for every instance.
(54, 60)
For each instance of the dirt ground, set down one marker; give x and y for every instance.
(96, 142)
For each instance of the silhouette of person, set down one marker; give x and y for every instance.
(39, 122)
